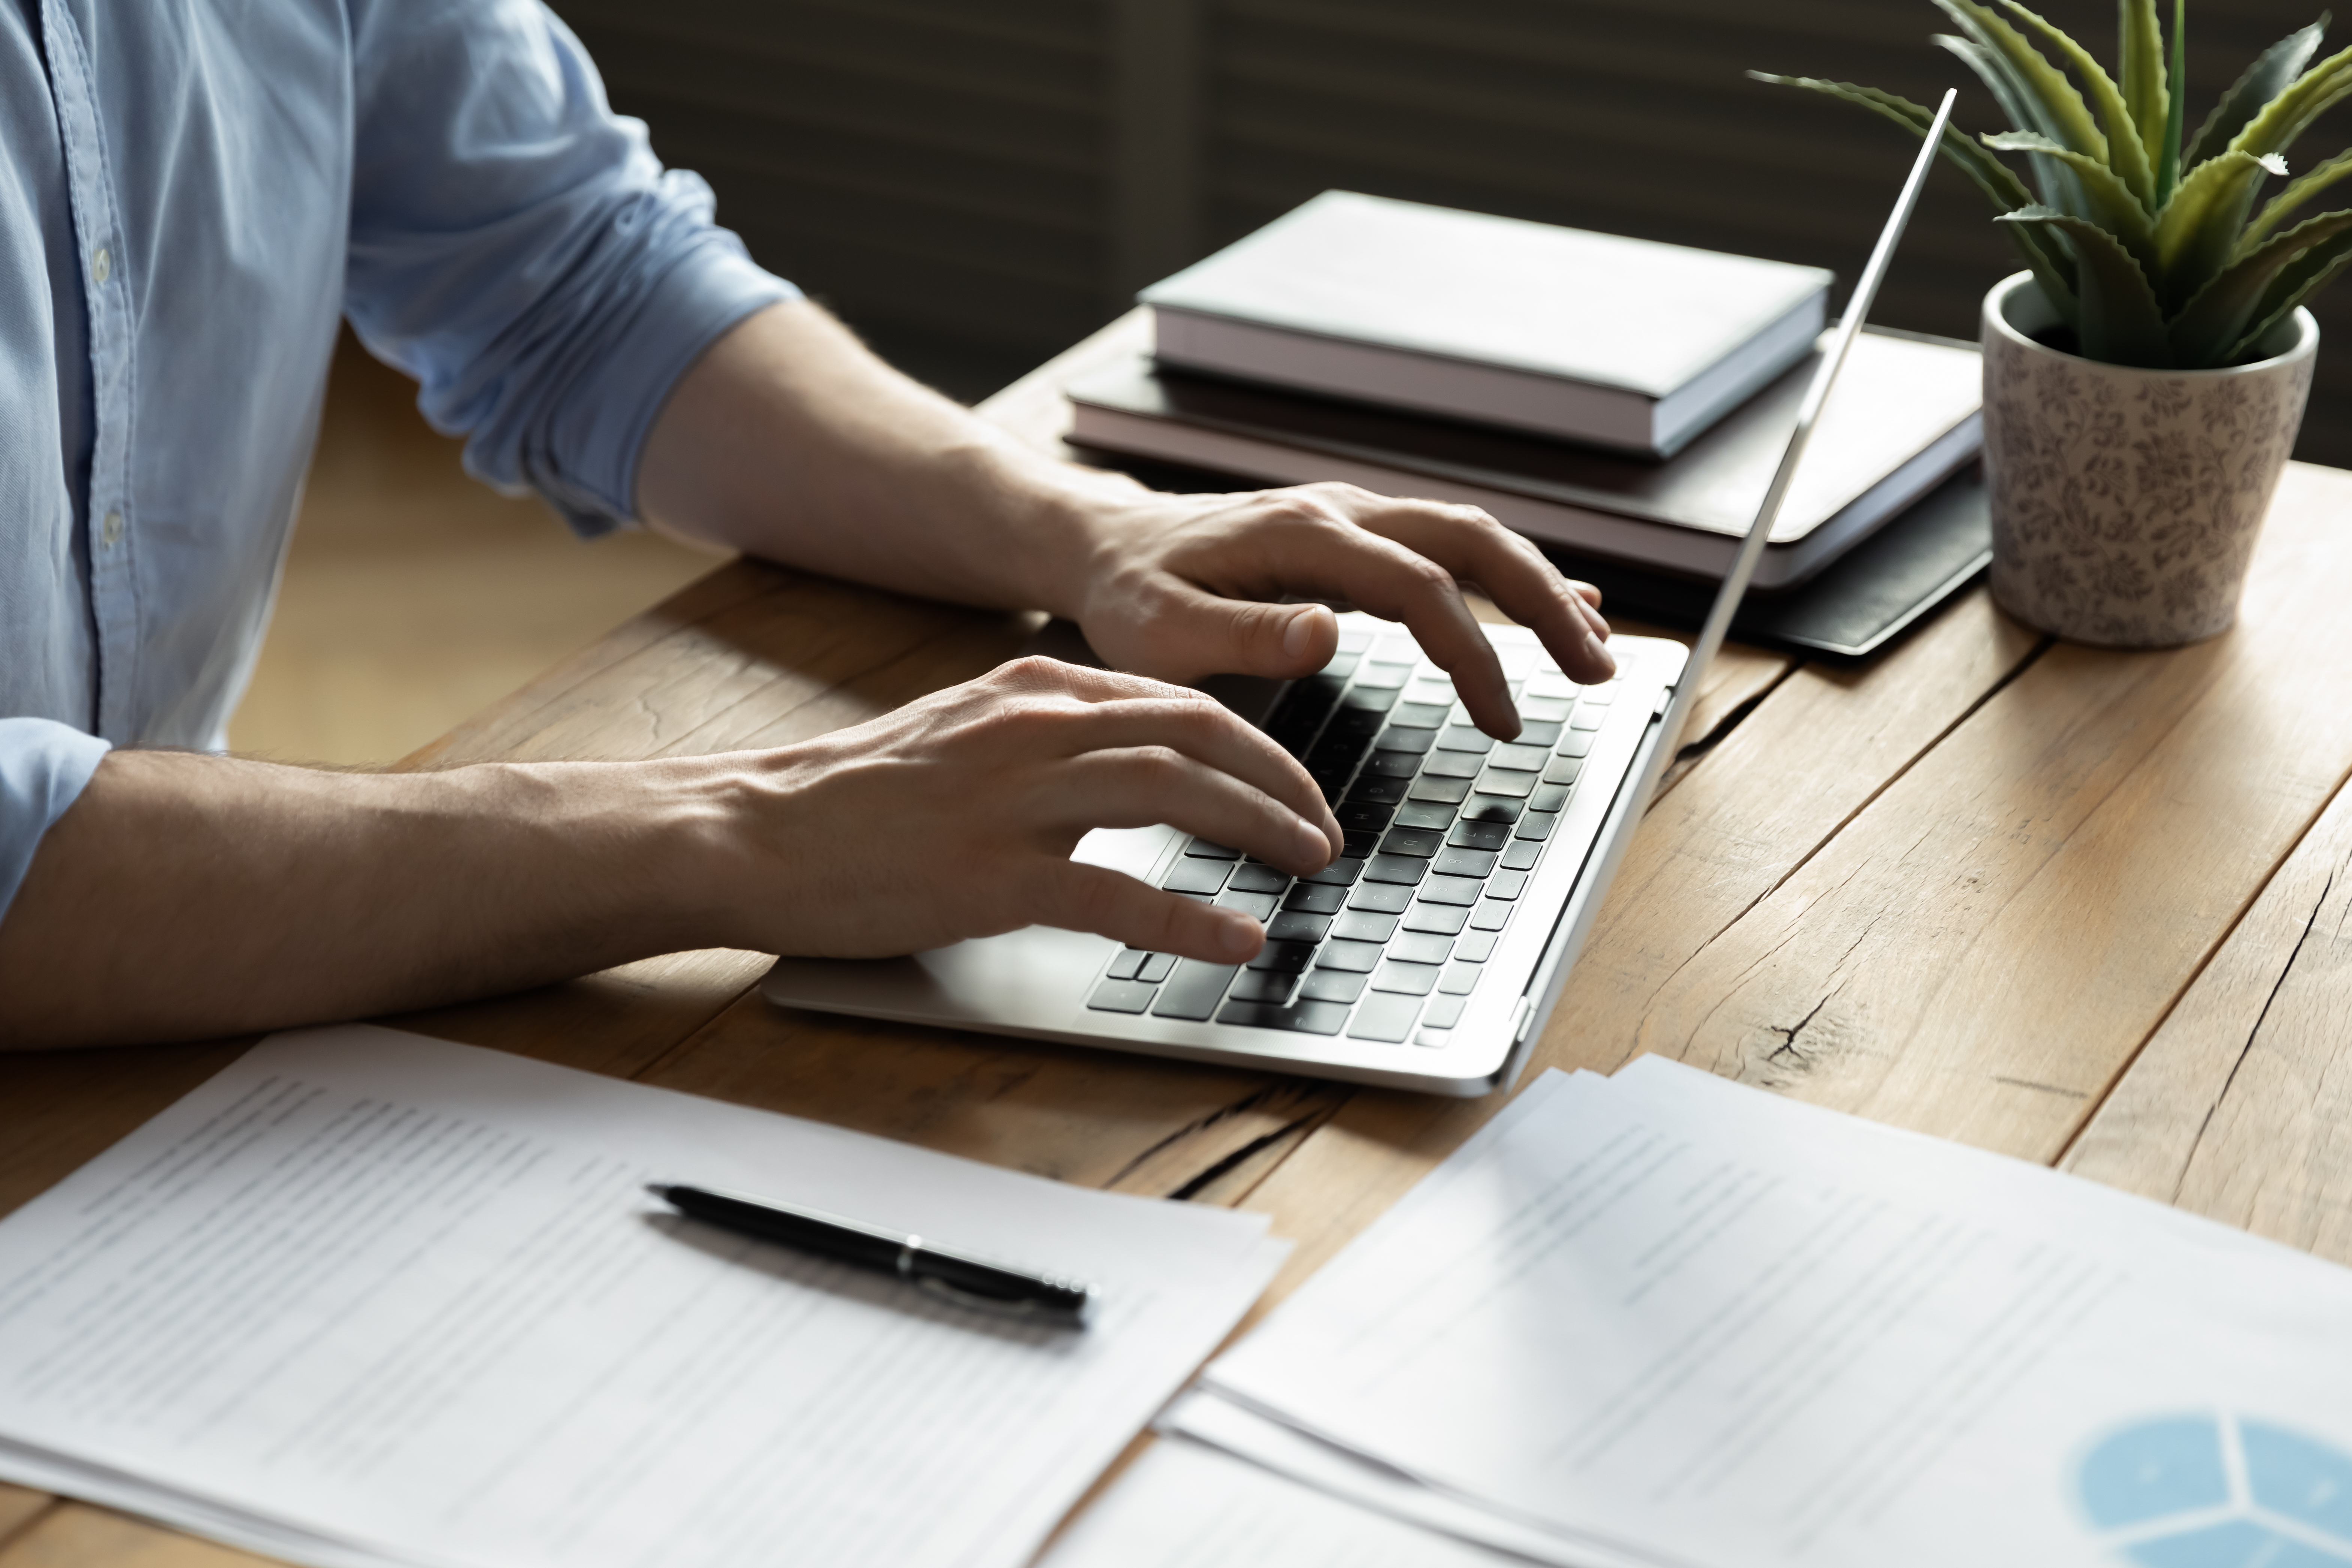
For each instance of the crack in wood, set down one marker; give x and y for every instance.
(2040, 1088)
(1251, 1150)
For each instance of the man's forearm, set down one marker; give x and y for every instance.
(185, 896)
(789, 440)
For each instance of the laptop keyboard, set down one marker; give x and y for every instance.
(1443, 825)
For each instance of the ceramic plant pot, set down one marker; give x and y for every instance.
(2126, 502)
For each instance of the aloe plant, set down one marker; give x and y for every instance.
(2148, 247)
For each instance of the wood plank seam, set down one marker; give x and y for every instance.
(24, 1526)
(2196, 972)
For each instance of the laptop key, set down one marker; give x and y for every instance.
(1433, 814)
(1392, 765)
(1575, 744)
(1129, 960)
(1372, 699)
(1418, 842)
(1301, 1018)
(1397, 738)
(1507, 884)
(1191, 876)
(1492, 781)
(1450, 890)
(1548, 797)
(1563, 770)
(1534, 731)
(1208, 851)
(1284, 957)
(1356, 721)
(1421, 947)
(1365, 817)
(1459, 978)
(1464, 862)
(1194, 990)
(1451, 765)
(1386, 1017)
(1155, 967)
(1364, 925)
(1257, 906)
(1292, 925)
(1445, 792)
(1536, 824)
(1412, 979)
(1490, 915)
(1445, 1011)
(1410, 715)
(1262, 985)
(1474, 833)
(1589, 715)
(1339, 873)
(1381, 898)
(1373, 789)
(1315, 899)
(1521, 855)
(1476, 946)
(1359, 846)
(1258, 878)
(1122, 996)
(1332, 985)
(1544, 710)
(1355, 957)
(1520, 759)
(1492, 809)
(1464, 738)
(1442, 919)
(1400, 868)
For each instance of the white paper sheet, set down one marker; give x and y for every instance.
(1708, 1324)
(1185, 1506)
(369, 1296)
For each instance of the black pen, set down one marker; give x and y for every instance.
(940, 1271)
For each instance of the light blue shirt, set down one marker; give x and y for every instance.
(192, 193)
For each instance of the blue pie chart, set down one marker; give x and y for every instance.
(2219, 1491)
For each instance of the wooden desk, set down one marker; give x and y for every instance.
(2078, 907)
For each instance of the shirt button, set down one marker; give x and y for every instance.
(112, 530)
(101, 265)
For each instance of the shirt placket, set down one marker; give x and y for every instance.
(111, 519)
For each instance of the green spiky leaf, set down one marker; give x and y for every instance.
(2299, 191)
(2297, 281)
(2218, 318)
(2198, 227)
(2128, 156)
(2115, 314)
(2263, 81)
(2055, 181)
(2278, 123)
(2175, 94)
(2106, 201)
(2063, 116)
(2052, 267)
(2141, 46)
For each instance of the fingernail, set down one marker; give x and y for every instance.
(1298, 634)
(1240, 938)
(1600, 654)
(1314, 845)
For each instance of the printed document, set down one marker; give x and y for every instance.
(370, 1298)
(1669, 1318)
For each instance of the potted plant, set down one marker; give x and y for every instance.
(2144, 375)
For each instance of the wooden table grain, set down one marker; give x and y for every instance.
(2082, 907)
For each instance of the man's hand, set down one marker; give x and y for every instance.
(1186, 586)
(955, 817)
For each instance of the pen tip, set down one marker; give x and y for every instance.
(658, 1191)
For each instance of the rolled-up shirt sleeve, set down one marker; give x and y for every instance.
(44, 766)
(517, 247)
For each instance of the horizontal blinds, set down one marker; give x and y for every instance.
(989, 178)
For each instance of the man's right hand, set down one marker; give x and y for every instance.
(955, 817)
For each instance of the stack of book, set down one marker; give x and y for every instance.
(1624, 399)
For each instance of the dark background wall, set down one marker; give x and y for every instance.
(974, 183)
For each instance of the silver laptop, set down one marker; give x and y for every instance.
(1429, 955)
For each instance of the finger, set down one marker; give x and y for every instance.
(1142, 785)
(1515, 574)
(1079, 897)
(1201, 633)
(1034, 673)
(1303, 543)
(1210, 734)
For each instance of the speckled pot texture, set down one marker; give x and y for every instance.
(2126, 502)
